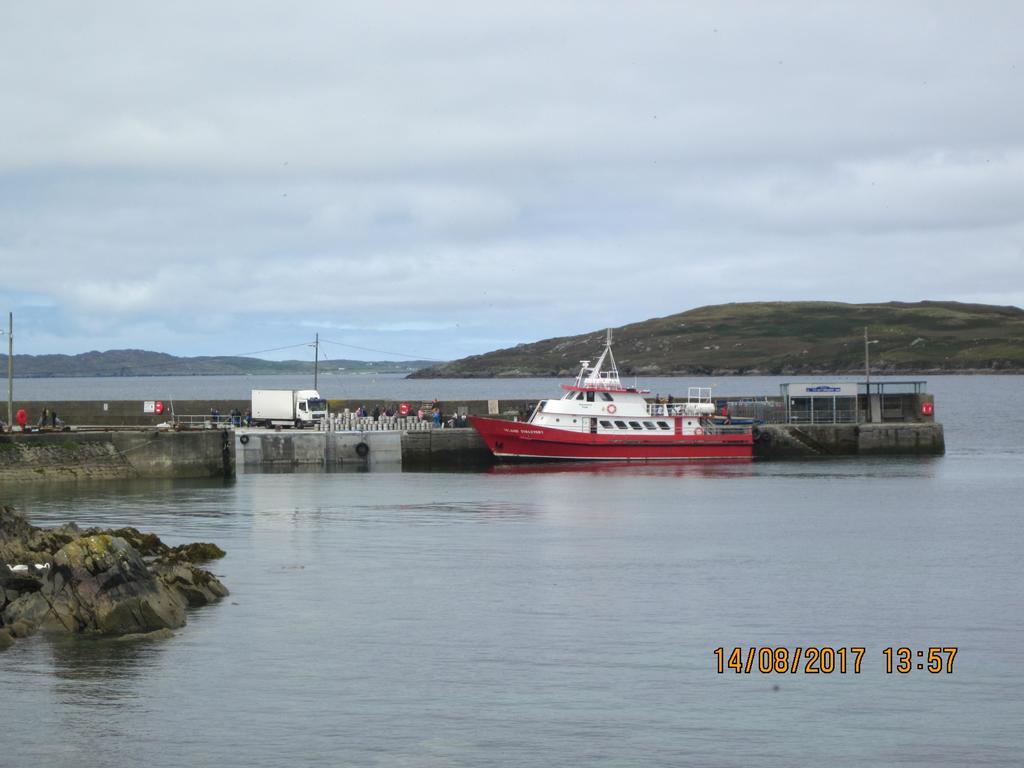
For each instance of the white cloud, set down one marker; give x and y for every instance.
(224, 175)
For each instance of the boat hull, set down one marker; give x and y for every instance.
(520, 440)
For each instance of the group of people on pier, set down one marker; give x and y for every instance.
(427, 412)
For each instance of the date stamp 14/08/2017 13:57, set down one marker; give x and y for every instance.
(824, 659)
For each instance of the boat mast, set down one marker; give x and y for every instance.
(593, 376)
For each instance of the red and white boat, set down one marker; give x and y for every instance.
(599, 418)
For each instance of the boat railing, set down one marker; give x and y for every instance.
(664, 409)
(675, 409)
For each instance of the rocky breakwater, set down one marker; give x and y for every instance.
(103, 582)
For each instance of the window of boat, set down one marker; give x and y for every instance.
(635, 425)
(664, 425)
(621, 425)
(606, 397)
(581, 395)
(649, 425)
(590, 397)
(606, 424)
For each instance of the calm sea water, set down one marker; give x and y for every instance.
(561, 614)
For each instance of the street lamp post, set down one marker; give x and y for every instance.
(316, 362)
(10, 370)
(867, 369)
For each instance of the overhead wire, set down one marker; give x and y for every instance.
(381, 351)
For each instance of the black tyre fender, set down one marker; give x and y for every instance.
(362, 449)
(243, 439)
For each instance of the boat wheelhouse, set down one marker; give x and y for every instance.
(600, 418)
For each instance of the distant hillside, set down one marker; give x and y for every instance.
(137, 362)
(779, 338)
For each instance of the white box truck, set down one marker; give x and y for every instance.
(287, 407)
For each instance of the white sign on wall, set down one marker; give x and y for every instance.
(826, 389)
(149, 406)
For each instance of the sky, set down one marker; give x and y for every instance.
(440, 179)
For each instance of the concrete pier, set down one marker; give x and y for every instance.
(455, 448)
(785, 441)
(142, 453)
(125, 442)
(259, 448)
(417, 449)
(150, 453)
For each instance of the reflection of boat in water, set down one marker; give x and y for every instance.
(599, 418)
(728, 468)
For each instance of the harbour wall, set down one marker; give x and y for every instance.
(793, 441)
(122, 454)
(115, 439)
(437, 448)
(455, 448)
(204, 453)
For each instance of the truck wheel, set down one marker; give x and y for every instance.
(298, 423)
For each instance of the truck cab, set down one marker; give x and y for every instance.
(309, 407)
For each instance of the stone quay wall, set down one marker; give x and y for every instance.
(143, 453)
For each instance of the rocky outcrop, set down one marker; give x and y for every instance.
(109, 582)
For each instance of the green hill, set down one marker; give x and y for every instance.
(779, 338)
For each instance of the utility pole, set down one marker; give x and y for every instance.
(867, 372)
(10, 370)
(867, 364)
(316, 363)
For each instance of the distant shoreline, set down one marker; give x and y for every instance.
(642, 375)
(743, 374)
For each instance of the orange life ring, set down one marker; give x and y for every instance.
(610, 409)
(698, 431)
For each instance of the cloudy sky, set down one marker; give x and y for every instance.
(441, 179)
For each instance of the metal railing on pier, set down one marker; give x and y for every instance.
(343, 422)
(714, 428)
(823, 417)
